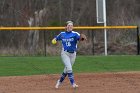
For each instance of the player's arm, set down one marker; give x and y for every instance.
(54, 40)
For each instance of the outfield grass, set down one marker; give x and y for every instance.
(14, 66)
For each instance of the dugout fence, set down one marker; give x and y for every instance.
(36, 41)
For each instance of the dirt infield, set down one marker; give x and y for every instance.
(88, 83)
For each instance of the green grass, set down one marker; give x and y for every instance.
(15, 66)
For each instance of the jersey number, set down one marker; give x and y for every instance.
(68, 44)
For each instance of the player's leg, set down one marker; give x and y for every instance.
(72, 60)
(66, 62)
(62, 78)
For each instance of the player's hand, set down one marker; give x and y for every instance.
(54, 41)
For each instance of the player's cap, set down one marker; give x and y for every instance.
(69, 22)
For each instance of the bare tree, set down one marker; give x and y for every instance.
(72, 9)
(60, 12)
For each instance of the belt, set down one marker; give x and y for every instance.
(69, 51)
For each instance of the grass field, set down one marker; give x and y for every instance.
(15, 66)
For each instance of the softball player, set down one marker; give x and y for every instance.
(69, 41)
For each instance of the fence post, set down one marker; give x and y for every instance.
(93, 52)
(45, 49)
(138, 41)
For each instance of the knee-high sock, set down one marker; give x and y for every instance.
(63, 77)
(71, 78)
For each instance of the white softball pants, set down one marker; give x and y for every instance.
(68, 60)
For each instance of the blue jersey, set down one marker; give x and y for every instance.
(69, 40)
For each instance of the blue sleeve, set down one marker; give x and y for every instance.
(77, 36)
(58, 37)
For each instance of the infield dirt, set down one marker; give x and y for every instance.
(88, 83)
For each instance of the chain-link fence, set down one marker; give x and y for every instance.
(38, 43)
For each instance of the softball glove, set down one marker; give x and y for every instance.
(83, 37)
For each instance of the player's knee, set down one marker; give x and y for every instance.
(69, 70)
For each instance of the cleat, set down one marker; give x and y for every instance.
(57, 84)
(75, 85)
